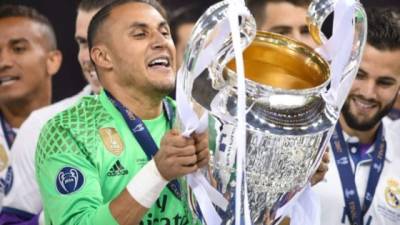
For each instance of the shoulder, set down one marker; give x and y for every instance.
(87, 110)
(73, 130)
(392, 134)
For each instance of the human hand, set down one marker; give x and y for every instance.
(322, 169)
(176, 156)
(202, 151)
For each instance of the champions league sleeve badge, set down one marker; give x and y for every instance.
(69, 180)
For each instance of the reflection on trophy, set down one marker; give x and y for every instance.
(288, 119)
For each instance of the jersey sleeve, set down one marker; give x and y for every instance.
(68, 180)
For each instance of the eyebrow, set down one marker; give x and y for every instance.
(361, 71)
(18, 41)
(383, 77)
(145, 25)
(281, 26)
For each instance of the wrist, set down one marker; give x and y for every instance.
(146, 186)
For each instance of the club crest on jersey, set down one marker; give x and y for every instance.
(111, 140)
(392, 193)
(69, 180)
(3, 158)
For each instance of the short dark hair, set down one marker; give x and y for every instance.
(257, 7)
(186, 14)
(100, 17)
(90, 5)
(7, 11)
(384, 28)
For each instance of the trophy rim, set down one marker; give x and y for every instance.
(291, 44)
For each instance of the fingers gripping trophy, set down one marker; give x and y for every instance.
(292, 98)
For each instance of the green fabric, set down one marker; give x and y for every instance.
(72, 139)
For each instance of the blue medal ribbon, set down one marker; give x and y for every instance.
(9, 133)
(143, 136)
(340, 150)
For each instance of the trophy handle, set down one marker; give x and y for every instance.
(211, 46)
(318, 11)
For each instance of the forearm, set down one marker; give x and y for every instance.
(131, 204)
(126, 210)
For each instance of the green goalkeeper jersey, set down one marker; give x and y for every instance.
(85, 158)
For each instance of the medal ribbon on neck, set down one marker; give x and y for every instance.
(9, 133)
(143, 136)
(340, 150)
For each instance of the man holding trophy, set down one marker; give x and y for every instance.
(363, 183)
(290, 101)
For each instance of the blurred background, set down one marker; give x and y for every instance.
(62, 13)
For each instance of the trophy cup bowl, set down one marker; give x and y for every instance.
(288, 120)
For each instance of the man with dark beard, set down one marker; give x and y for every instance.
(363, 183)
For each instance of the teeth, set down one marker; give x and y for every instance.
(159, 61)
(7, 80)
(364, 104)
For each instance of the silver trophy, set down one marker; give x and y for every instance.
(289, 121)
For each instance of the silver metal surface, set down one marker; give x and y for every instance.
(288, 124)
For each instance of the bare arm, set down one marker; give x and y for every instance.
(177, 157)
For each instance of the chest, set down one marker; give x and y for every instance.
(385, 206)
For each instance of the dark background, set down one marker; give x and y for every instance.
(62, 13)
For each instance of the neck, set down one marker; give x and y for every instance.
(365, 137)
(143, 106)
(397, 104)
(15, 113)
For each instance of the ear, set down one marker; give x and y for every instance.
(53, 62)
(101, 57)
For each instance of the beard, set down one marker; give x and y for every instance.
(353, 121)
(165, 87)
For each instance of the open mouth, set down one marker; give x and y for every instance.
(364, 104)
(7, 80)
(160, 62)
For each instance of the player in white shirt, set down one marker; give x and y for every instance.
(28, 60)
(23, 202)
(362, 185)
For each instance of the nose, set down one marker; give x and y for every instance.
(5, 60)
(84, 55)
(296, 35)
(368, 90)
(159, 40)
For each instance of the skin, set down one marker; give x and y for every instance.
(294, 26)
(82, 23)
(26, 59)
(135, 35)
(373, 93)
(397, 104)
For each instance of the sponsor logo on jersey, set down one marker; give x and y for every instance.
(117, 170)
(162, 216)
(392, 193)
(69, 180)
(111, 140)
(3, 158)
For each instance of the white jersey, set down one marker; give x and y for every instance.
(385, 206)
(24, 195)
